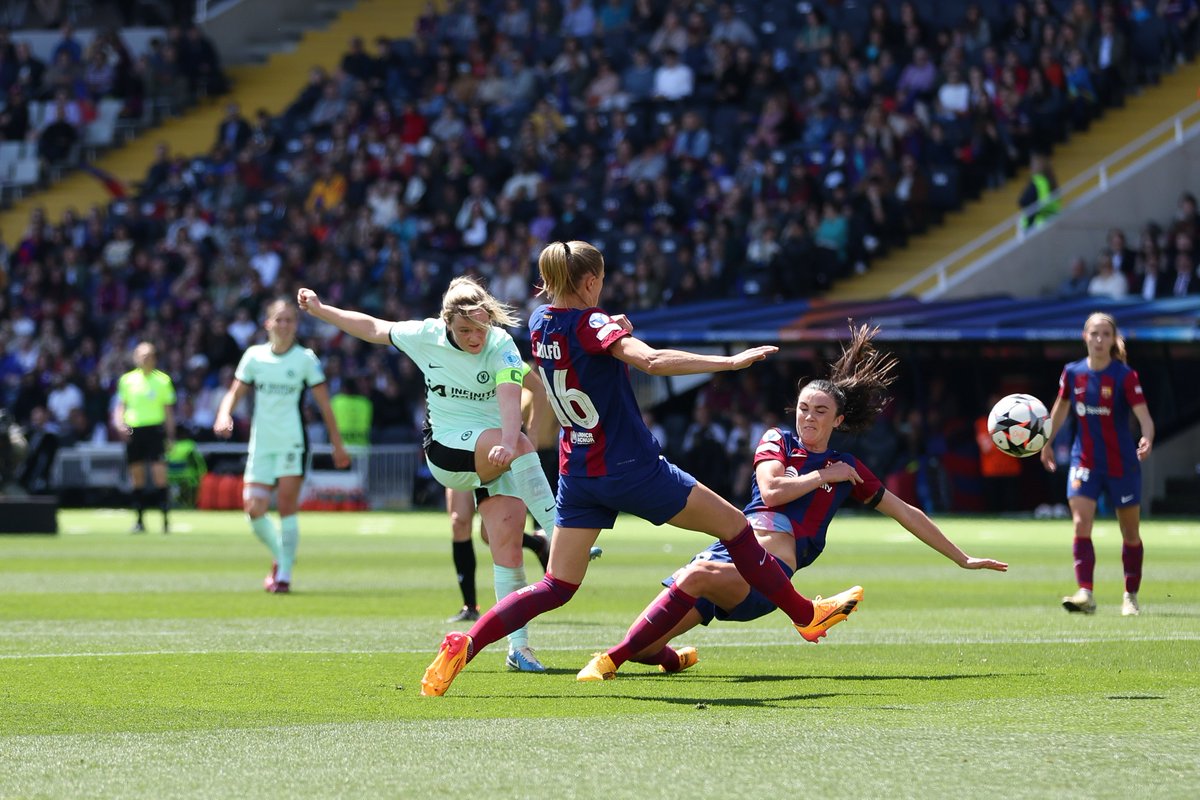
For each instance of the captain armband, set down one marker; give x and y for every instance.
(875, 498)
(509, 375)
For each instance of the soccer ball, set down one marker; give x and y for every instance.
(1019, 425)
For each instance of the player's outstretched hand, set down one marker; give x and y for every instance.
(985, 563)
(748, 357)
(1047, 457)
(308, 301)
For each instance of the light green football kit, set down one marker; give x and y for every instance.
(460, 393)
(278, 444)
(461, 403)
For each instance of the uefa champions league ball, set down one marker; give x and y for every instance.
(1019, 425)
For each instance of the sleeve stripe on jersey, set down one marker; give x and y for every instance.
(767, 447)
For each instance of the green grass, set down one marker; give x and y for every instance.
(155, 666)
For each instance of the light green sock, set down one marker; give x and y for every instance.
(265, 530)
(507, 581)
(532, 487)
(289, 540)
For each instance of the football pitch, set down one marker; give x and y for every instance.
(155, 666)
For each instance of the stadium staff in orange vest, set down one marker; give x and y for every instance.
(1000, 471)
(144, 417)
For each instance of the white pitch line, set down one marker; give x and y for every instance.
(705, 645)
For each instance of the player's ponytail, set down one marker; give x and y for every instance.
(1117, 351)
(858, 381)
(564, 265)
(465, 296)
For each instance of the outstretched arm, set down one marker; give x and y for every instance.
(636, 353)
(916, 522)
(359, 325)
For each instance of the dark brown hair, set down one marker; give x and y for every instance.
(857, 381)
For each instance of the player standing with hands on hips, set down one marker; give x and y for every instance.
(473, 439)
(1100, 391)
(279, 372)
(798, 486)
(145, 418)
(609, 462)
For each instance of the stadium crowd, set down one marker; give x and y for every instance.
(1162, 265)
(52, 103)
(710, 149)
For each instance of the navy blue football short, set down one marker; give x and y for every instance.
(655, 491)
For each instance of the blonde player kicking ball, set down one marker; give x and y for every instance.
(798, 486)
(473, 437)
(279, 372)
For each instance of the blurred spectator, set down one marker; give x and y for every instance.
(1150, 282)
(201, 64)
(704, 452)
(68, 46)
(29, 72)
(731, 28)
(14, 117)
(64, 398)
(1078, 280)
(1107, 282)
(233, 131)
(674, 79)
(1184, 281)
(1037, 200)
(42, 438)
(60, 129)
(579, 19)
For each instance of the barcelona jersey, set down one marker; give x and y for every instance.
(1100, 403)
(811, 514)
(589, 390)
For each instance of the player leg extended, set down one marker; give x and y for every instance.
(569, 558)
(707, 512)
(698, 589)
(504, 518)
